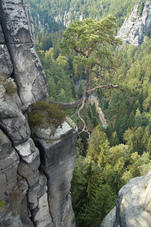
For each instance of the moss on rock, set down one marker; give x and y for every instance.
(45, 115)
(2, 205)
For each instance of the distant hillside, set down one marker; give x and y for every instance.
(51, 14)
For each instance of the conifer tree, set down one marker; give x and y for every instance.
(92, 40)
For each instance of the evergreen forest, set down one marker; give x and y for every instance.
(108, 157)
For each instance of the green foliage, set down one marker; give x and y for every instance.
(10, 88)
(122, 151)
(91, 40)
(46, 115)
(2, 205)
(46, 10)
(98, 143)
(92, 199)
(138, 139)
(141, 7)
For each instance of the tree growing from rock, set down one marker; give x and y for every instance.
(91, 41)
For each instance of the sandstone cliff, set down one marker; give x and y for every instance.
(35, 179)
(138, 25)
(133, 206)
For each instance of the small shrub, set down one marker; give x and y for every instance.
(2, 205)
(10, 87)
(45, 114)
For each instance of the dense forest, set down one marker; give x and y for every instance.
(59, 11)
(112, 155)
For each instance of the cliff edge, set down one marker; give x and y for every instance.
(35, 172)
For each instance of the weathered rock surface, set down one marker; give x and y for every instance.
(137, 26)
(13, 201)
(133, 207)
(58, 159)
(18, 31)
(31, 193)
(12, 120)
(6, 66)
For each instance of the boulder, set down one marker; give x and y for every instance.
(133, 206)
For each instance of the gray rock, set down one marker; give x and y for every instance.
(6, 66)
(109, 220)
(136, 27)
(30, 171)
(38, 200)
(9, 161)
(8, 165)
(2, 40)
(37, 191)
(3, 181)
(5, 146)
(25, 192)
(16, 213)
(42, 217)
(28, 151)
(13, 189)
(133, 206)
(58, 160)
(28, 71)
(11, 118)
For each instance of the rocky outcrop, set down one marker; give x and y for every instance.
(133, 206)
(68, 16)
(35, 179)
(57, 162)
(138, 25)
(18, 32)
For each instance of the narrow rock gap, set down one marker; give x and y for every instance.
(5, 132)
(31, 216)
(41, 152)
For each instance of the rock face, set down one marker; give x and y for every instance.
(61, 154)
(18, 32)
(138, 25)
(133, 207)
(35, 179)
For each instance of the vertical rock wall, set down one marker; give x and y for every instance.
(137, 25)
(35, 180)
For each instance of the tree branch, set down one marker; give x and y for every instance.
(67, 105)
(110, 86)
(80, 52)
